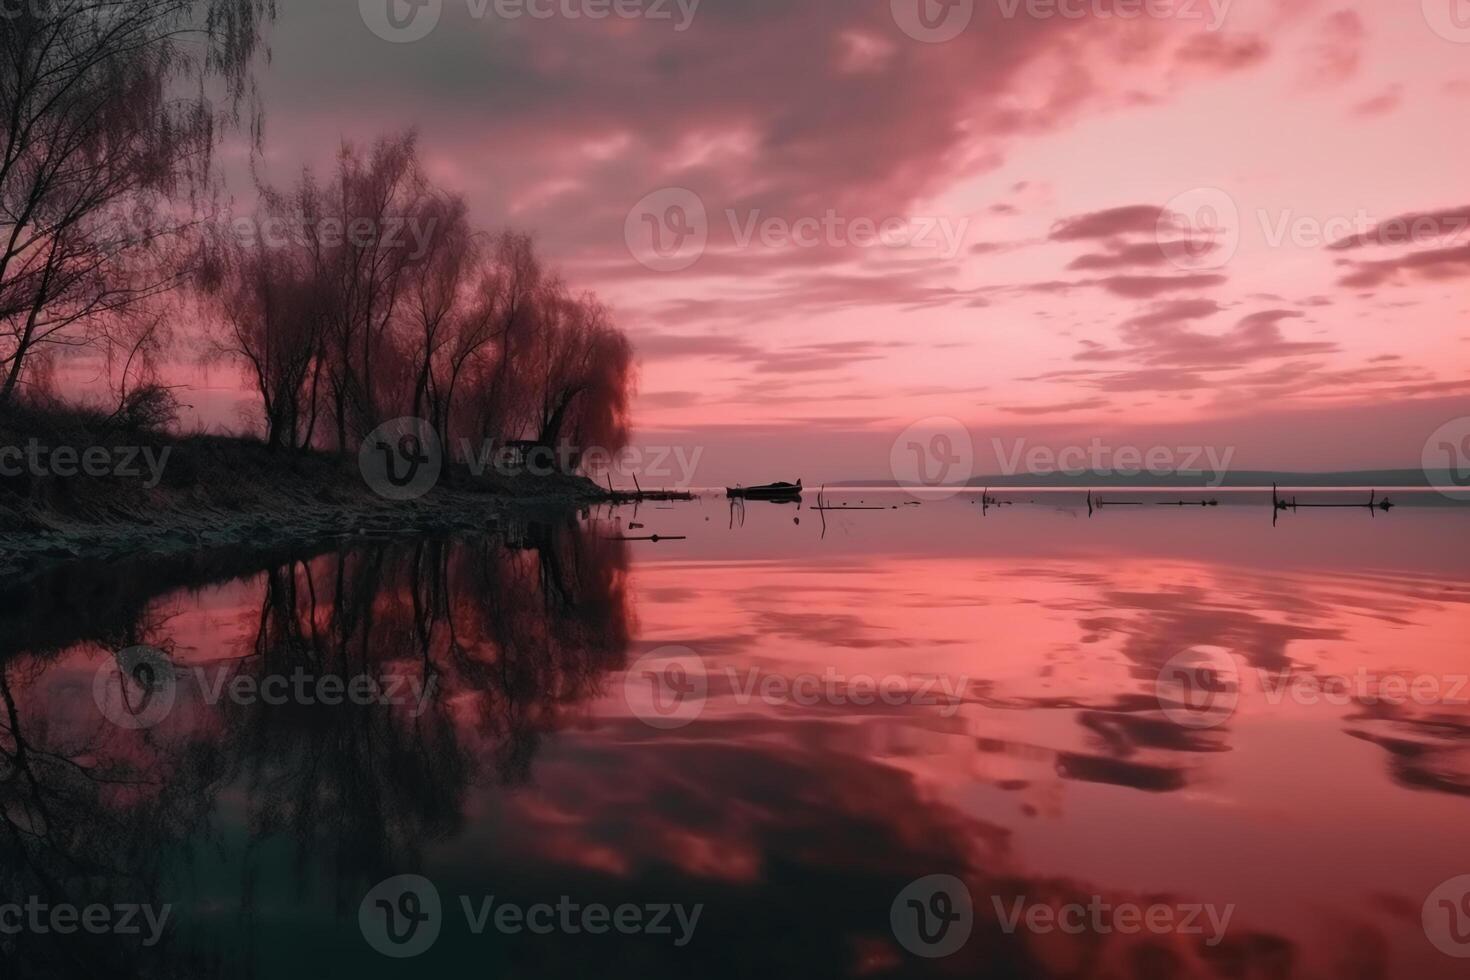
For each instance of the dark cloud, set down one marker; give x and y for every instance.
(1381, 104)
(1144, 287)
(1141, 254)
(1133, 219)
(1414, 228)
(1056, 408)
(1436, 265)
(801, 359)
(1220, 53)
(1337, 54)
(1162, 337)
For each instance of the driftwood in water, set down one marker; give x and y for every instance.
(624, 497)
(987, 502)
(1373, 504)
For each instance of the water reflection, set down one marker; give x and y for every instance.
(499, 637)
(495, 750)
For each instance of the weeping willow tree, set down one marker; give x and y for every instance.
(110, 110)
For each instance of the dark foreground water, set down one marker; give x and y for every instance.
(915, 740)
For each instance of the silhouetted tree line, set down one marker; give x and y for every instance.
(111, 112)
(387, 303)
(370, 297)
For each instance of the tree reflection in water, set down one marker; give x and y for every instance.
(508, 632)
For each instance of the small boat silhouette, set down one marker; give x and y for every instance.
(784, 492)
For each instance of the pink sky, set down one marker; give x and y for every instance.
(1028, 162)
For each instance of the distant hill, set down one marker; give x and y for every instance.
(1384, 479)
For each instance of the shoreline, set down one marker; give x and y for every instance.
(220, 492)
(27, 553)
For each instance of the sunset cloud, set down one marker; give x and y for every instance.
(1068, 155)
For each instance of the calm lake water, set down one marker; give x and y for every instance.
(1149, 742)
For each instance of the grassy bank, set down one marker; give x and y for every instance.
(77, 484)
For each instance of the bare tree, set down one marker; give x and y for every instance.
(272, 311)
(378, 201)
(436, 301)
(585, 376)
(99, 136)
